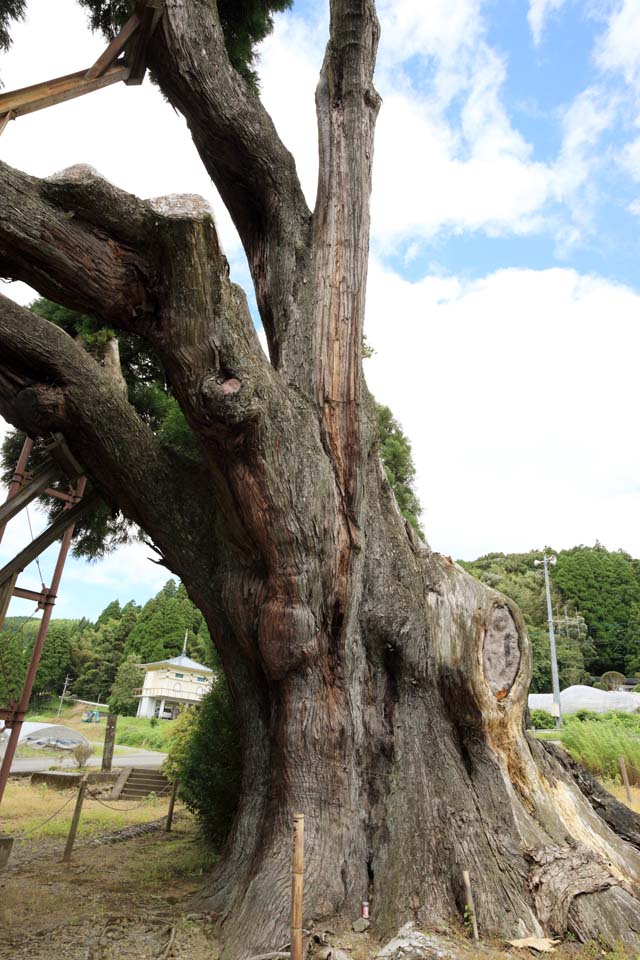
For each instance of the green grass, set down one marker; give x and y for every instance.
(599, 743)
(183, 858)
(140, 732)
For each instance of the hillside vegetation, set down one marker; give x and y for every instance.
(596, 609)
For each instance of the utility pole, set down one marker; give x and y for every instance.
(64, 690)
(555, 682)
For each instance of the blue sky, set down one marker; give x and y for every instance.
(504, 293)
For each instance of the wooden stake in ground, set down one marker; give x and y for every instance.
(625, 778)
(297, 881)
(172, 802)
(75, 821)
(109, 742)
(469, 898)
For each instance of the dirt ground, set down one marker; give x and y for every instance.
(133, 900)
(128, 900)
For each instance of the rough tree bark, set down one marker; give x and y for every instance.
(381, 690)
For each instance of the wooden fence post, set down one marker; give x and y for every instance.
(73, 829)
(625, 778)
(469, 897)
(172, 802)
(297, 882)
(109, 742)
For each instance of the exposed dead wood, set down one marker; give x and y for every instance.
(559, 875)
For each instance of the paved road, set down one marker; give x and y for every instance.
(134, 757)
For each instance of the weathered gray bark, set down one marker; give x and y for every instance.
(381, 690)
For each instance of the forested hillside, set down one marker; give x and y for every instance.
(91, 653)
(596, 607)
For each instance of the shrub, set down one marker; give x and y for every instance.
(81, 753)
(205, 756)
(612, 679)
(599, 744)
(542, 720)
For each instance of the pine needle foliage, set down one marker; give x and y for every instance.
(9, 10)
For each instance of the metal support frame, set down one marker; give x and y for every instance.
(132, 42)
(23, 489)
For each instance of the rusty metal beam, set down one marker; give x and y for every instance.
(49, 536)
(18, 713)
(29, 491)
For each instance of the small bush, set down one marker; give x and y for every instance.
(205, 756)
(81, 753)
(599, 744)
(542, 720)
(612, 679)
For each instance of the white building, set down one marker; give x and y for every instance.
(170, 685)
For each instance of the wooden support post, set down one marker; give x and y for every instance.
(115, 48)
(150, 12)
(75, 821)
(297, 884)
(109, 742)
(469, 899)
(172, 803)
(4, 120)
(625, 779)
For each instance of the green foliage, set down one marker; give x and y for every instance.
(102, 531)
(599, 743)
(128, 678)
(606, 587)
(13, 661)
(542, 720)
(161, 625)
(244, 23)
(205, 756)
(55, 661)
(9, 10)
(612, 679)
(99, 649)
(395, 451)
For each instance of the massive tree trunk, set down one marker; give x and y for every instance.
(380, 689)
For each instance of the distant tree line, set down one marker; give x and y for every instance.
(98, 655)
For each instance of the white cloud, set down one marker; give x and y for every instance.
(539, 12)
(630, 158)
(518, 403)
(619, 47)
(585, 121)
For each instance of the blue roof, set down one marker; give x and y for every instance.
(183, 661)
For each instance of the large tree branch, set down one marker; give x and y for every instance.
(347, 106)
(240, 148)
(76, 239)
(48, 382)
(151, 267)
